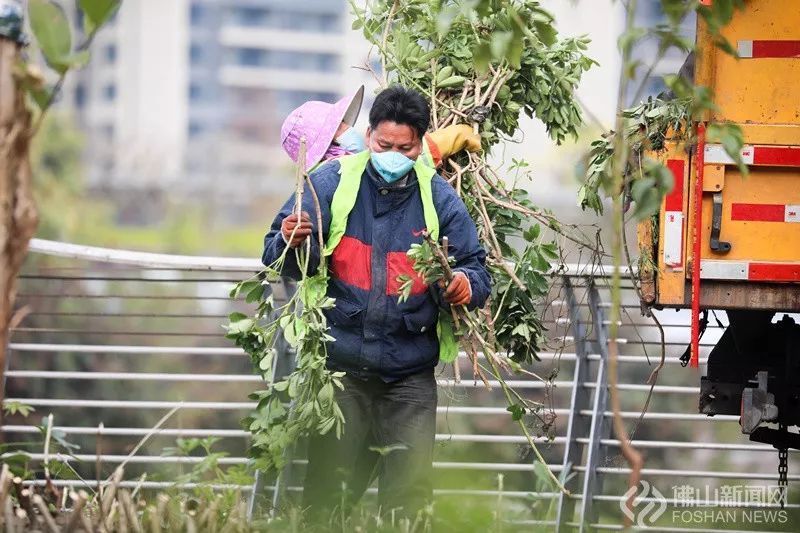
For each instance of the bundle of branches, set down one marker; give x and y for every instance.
(112, 508)
(301, 323)
(486, 67)
(486, 63)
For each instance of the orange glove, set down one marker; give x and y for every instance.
(453, 139)
(459, 291)
(304, 229)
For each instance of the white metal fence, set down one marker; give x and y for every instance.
(115, 339)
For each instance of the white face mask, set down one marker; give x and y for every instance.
(391, 165)
(351, 141)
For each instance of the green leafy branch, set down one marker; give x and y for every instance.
(649, 125)
(301, 403)
(468, 58)
(53, 33)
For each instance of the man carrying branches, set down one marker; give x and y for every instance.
(372, 207)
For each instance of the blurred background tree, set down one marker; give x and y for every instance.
(58, 174)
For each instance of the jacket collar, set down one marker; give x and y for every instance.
(390, 196)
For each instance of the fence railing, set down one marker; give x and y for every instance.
(114, 339)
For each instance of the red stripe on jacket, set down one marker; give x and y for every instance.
(351, 263)
(398, 263)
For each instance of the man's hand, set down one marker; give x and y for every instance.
(459, 291)
(304, 229)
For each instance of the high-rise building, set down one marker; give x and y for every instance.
(189, 95)
(130, 99)
(253, 61)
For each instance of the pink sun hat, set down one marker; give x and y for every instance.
(318, 122)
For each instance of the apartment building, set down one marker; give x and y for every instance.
(188, 95)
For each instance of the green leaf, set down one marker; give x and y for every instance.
(731, 138)
(406, 284)
(522, 330)
(383, 451)
(646, 196)
(246, 286)
(76, 60)
(482, 55)
(326, 425)
(452, 81)
(630, 69)
(241, 326)
(532, 233)
(726, 46)
(628, 39)
(39, 95)
(500, 42)
(517, 412)
(325, 394)
(545, 31)
(12, 408)
(678, 85)
(18, 462)
(61, 470)
(266, 361)
(290, 333)
(237, 317)
(52, 31)
(550, 250)
(97, 12)
(446, 18)
(235, 290)
(255, 294)
(675, 10)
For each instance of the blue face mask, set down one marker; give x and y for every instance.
(351, 141)
(391, 165)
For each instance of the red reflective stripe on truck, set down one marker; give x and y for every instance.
(758, 212)
(779, 156)
(674, 200)
(773, 272)
(775, 49)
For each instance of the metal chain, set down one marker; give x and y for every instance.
(783, 472)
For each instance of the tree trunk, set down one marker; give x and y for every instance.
(18, 216)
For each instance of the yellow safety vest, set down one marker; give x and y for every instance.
(351, 168)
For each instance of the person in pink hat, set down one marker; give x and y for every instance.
(327, 128)
(329, 133)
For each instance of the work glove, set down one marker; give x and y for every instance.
(459, 290)
(304, 229)
(453, 139)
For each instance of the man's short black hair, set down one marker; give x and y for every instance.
(403, 106)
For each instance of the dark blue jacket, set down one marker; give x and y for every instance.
(375, 334)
